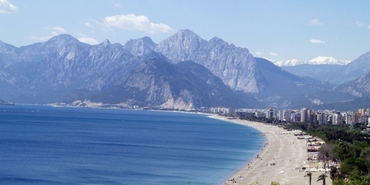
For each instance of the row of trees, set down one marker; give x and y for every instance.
(321, 177)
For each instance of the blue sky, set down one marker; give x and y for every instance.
(277, 30)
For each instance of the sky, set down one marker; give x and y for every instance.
(273, 29)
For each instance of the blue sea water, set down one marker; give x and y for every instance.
(48, 145)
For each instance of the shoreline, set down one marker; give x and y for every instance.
(280, 159)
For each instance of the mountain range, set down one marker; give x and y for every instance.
(320, 60)
(329, 69)
(183, 71)
(177, 86)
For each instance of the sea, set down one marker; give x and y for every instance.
(60, 145)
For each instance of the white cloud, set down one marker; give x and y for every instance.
(359, 24)
(315, 22)
(54, 31)
(6, 7)
(133, 22)
(88, 40)
(88, 25)
(273, 54)
(317, 41)
(258, 53)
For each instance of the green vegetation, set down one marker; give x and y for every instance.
(345, 145)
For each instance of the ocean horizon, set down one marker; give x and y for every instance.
(61, 145)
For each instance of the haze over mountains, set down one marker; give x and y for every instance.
(320, 60)
(183, 71)
(328, 69)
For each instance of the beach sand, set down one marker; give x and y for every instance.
(280, 159)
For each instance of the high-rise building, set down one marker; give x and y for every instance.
(349, 118)
(271, 112)
(309, 118)
(361, 111)
(286, 115)
(321, 118)
(336, 118)
(304, 115)
(357, 117)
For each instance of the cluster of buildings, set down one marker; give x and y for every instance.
(302, 115)
(320, 117)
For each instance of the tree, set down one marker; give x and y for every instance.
(365, 154)
(343, 150)
(326, 153)
(309, 175)
(335, 173)
(322, 178)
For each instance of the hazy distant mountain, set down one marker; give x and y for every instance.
(44, 72)
(356, 68)
(324, 72)
(63, 69)
(283, 87)
(336, 74)
(359, 87)
(184, 85)
(352, 105)
(346, 95)
(139, 47)
(237, 68)
(320, 68)
(320, 60)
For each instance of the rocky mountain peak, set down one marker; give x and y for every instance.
(105, 43)
(141, 46)
(364, 79)
(6, 48)
(148, 40)
(62, 39)
(217, 40)
(185, 33)
(180, 46)
(357, 66)
(235, 66)
(358, 87)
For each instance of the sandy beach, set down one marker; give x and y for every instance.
(280, 159)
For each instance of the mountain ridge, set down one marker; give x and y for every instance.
(320, 60)
(63, 69)
(186, 45)
(173, 86)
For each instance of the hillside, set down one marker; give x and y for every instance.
(158, 83)
(63, 69)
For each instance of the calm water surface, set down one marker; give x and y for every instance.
(47, 145)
